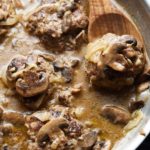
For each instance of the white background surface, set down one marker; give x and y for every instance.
(148, 2)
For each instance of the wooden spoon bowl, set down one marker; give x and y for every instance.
(106, 17)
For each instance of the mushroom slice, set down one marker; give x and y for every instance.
(135, 104)
(59, 111)
(32, 83)
(128, 39)
(42, 115)
(14, 117)
(142, 87)
(6, 128)
(51, 128)
(74, 128)
(15, 67)
(33, 125)
(116, 114)
(8, 16)
(102, 145)
(88, 139)
(137, 116)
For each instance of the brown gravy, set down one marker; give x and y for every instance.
(90, 100)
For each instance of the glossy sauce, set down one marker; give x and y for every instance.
(90, 99)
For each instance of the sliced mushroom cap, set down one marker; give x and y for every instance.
(128, 39)
(47, 56)
(135, 104)
(142, 87)
(33, 124)
(32, 83)
(88, 139)
(14, 117)
(15, 68)
(59, 111)
(117, 115)
(102, 145)
(145, 76)
(66, 62)
(8, 16)
(74, 128)
(42, 115)
(51, 128)
(6, 128)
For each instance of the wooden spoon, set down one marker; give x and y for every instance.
(106, 17)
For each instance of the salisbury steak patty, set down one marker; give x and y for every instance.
(114, 61)
(56, 18)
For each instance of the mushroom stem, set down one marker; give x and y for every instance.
(50, 128)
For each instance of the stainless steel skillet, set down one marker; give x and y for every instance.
(139, 10)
